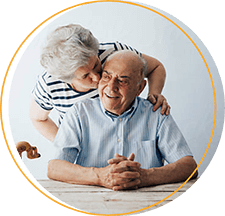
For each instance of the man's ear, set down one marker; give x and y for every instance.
(141, 86)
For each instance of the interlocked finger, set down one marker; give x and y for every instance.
(128, 185)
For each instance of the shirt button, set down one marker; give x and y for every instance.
(120, 119)
(118, 140)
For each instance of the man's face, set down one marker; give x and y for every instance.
(119, 86)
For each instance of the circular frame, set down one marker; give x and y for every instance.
(17, 51)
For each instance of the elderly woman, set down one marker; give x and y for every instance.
(73, 60)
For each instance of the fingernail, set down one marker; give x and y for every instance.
(114, 188)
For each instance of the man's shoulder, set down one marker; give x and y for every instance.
(144, 103)
(147, 107)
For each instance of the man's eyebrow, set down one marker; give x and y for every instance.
(106, 71)
(123, 76)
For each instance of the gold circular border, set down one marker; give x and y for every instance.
(124, 2)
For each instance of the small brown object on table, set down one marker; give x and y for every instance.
(31, 150)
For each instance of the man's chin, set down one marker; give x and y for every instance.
(109, 107)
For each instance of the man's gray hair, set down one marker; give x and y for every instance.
(68, 48)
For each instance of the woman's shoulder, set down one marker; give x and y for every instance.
(48, 78)
(46, 83)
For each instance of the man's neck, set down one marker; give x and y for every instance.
(119, 114)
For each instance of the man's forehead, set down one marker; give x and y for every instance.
(121, 67)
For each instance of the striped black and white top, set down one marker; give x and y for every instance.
(51, 93)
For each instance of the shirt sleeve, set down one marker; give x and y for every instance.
(171, 142)
(68, 139)
(42, 94)
(106, 49)
(122, 46)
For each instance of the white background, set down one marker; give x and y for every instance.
(187, 88)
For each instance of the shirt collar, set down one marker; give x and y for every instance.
(127, 113)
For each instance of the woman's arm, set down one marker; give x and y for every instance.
(42, 122)
(156, 78)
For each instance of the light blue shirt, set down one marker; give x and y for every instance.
(89, 135)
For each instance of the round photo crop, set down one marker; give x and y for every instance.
(123, 108)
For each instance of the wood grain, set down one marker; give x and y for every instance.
(101, 200)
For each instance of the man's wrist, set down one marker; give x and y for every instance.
(147, 177)
(154, 93)
(96, 174)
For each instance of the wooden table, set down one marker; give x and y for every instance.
(100, 200)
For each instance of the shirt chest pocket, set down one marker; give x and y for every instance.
(145, 153)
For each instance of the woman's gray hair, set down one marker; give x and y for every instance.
(68, 48)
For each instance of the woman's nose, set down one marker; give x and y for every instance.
(95, 77)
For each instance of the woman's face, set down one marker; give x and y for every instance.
(88, 76)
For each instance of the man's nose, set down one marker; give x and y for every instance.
(113, 85)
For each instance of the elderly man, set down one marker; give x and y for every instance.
(122, 124)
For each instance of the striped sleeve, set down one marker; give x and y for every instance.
(41, 93)
(121, 46)
(106, 49)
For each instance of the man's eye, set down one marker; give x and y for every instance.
(123, 82)
(105, 76)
